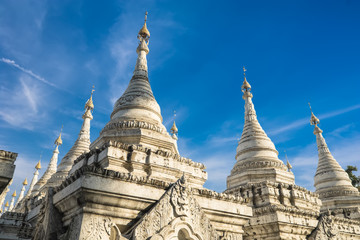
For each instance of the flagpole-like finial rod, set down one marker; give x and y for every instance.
(144, 32)
(244, 71)
(174, 130)
(313, 120)
(288, 165)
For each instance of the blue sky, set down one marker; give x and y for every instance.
(52, 52)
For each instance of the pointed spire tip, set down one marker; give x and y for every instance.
(89, 103)
(246, 87)
(38, 165)
(144, 32)
(313, 120)
(174, 130)
(58, 141)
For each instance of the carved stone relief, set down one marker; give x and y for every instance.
(96, 227)
(177, 209)
(326, 229)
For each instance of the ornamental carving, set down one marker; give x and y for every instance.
(239, 168)
(326, 228)
(133, 124)
(179, 198)
(124, 99)
(95, 228)
(167, 154)
(231, 236)
(176, 210)
(143, 96)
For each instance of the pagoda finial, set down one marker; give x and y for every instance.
(58, 141)
(246, 87)
(144, 32)
(21, 196)
(13, 196)
(142, 50)
(89, 103)
(35, 178)
(38, 165)
(313, 120)
(6, 206)
(174, 130)
(288, 165)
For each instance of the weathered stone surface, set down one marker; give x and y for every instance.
(7, 168)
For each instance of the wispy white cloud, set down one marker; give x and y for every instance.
(338, 131)
(304, 121)
(123, 53)
(20, 105)
(27, 71)
(32, 99)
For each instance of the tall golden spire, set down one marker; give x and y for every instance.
(58, 141)
(7, 204)
(144, 32)
(89, 104)
(14, 194)
(25, 182)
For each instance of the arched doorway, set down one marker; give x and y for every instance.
(183, 234)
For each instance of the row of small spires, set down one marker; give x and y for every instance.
(88, 105)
